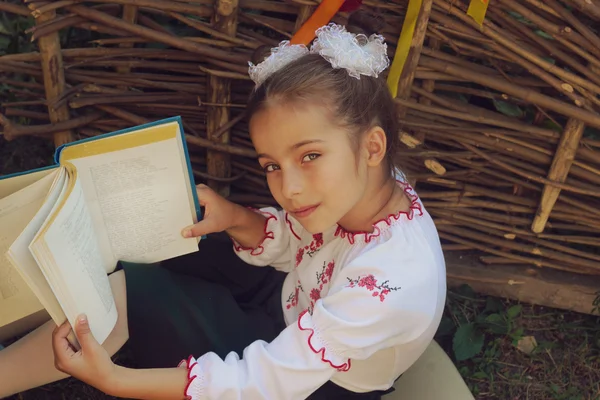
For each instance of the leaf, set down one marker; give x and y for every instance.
(446, 327)
(549, 124)
(497, 324)
(514, 311)
(466, 291)
(480, 375)
(467, 342)
(506, 108)
(543, 34)
(591, 133)
(4, 43)
(518, 333)
(493, 304)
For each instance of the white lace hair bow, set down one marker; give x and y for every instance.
(358, 54)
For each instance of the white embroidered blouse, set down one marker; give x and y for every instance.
(360, 308)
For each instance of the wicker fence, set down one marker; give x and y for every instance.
(501, 122)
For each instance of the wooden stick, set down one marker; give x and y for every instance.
(187, 45)
(54, 78)
(14, 9)
(570, 18)
(224, 21)
(579, 265)
(514, 90)
(558, 172)
(12, 131)
(498, 36)
(587, 7)
(224, 148)
(414, 53)
(130, 15)
(185, 8)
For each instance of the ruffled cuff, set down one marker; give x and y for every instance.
(319, 346)
(268, 232)
(194, 389)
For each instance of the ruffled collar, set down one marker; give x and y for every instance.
(415, 208)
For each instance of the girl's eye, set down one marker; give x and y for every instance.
(270, 167)
(310, 157)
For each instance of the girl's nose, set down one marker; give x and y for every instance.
(292, 183)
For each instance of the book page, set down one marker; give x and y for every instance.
(16, 298)
(138, 195)
(14, 183)
(70, 258)
(22, 259)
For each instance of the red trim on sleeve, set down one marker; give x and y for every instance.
(342, 367)
(258, 250)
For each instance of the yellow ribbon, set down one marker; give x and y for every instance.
(477, 10)
(406, 35)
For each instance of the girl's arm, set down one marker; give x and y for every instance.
(148, 384)
(261, 237)
(248, 227)
(93, 365)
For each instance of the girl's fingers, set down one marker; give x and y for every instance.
(204, 194)
(60, 343)
(203, 227)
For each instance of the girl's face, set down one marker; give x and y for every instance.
(312, 169)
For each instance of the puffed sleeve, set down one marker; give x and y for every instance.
(367, 309)
(276, 247)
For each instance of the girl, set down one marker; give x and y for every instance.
(357, 287)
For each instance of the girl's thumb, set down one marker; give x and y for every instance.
(84, 333)
(201, 228)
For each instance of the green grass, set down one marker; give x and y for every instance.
(564, 366)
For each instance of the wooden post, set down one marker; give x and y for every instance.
(130, 14)
(429, 85)
(410, 67)
(559, 170)
(54, 77)
(218, 164)
(408, 75)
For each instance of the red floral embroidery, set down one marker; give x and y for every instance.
(415, 206)
(342, 367)
(316, 244)
(370, 283)
(323, 277)
(293, 298)
(299, 256)
(315, 294)
(310, 249)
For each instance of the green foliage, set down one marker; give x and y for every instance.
(469, 335)
(510, 109)
(467, 342)
(12, 34)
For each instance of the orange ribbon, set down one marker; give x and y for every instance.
(321, 17)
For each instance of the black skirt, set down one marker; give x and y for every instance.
(208, 301)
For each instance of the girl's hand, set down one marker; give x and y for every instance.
(91, 364)
(219, 213)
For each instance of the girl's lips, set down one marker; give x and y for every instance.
(304, 212)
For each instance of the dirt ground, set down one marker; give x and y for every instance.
(481, 334)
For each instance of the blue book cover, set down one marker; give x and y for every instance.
(177, 119)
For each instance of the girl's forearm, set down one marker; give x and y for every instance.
(249, 227)
(149, 384)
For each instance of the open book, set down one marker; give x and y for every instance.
(123, 196)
